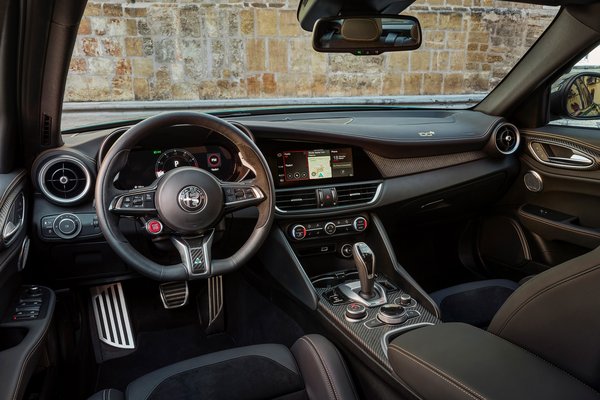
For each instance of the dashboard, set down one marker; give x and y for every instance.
(324, 167)
(321, 163)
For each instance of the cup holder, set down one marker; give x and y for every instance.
(11, 337)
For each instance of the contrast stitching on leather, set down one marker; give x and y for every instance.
(347, 373)
(545, 221)
(320, 360)
(207, 365)
(454, 382)
(542, 291)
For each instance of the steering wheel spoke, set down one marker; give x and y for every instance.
(135, 202)
(239, 195)
(195, 252)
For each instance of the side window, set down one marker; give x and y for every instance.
(576, 95)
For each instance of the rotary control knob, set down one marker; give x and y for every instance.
(298, 232)
(67, 226)
(329, 228)
(392, 314)
(359, 224)
(405, 300)
(355, 312)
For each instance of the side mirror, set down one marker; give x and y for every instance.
(366, 35)
(577, 96)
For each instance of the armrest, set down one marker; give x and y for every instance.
(459, 361)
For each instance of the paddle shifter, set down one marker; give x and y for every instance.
(364, 258)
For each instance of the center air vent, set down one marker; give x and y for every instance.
(356, 194)
(300, 199)
(64, 179)
(507, 138)
(345, 194)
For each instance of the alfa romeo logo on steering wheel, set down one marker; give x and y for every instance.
(192, 198)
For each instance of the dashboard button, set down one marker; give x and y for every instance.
(329, 228)
(49, 233)
(67, 226)
(346, 250)
(355, 312)
(359, 224)
(154, 227)
(47, 222)
(298, 232)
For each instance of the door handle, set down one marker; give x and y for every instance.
(561, 155)
(576, 159)
(14, 220)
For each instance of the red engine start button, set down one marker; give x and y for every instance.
(154, 227)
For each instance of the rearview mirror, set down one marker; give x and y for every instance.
(578, 97)
(370, 35)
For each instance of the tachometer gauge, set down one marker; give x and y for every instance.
(174, 158)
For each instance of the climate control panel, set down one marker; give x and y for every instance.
(310, 230)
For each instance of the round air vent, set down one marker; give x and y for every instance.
(507, 138)
(64, 179)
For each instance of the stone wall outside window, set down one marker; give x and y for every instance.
(222, 49)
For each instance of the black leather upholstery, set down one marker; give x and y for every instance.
(458, 361)
(108, 394)
(474, 303)
(324, 371)
(316, 370)
(556, 316)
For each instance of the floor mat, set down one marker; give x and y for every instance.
(157, 349)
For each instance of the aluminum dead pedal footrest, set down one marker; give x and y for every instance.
(174, 294)
(216, 319)
(112, 317)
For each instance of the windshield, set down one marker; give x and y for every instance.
(133, 58)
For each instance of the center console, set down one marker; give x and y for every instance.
(331, 252)
(344, 268)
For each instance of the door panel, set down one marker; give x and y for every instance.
(13, 207)
(555, 200)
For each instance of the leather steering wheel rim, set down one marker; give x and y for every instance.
(116, 159)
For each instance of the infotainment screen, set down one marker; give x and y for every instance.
(303, 165)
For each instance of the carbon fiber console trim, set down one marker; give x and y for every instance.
(392, 167)
(370, 339)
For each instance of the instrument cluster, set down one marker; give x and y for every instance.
(145, 165)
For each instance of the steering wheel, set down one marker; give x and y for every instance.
(187, 200)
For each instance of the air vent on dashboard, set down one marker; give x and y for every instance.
(507, 138)
(316, 198)
(300, 199)
(64, 179)
(356, 194)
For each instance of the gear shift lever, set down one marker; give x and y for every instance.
(364, 258)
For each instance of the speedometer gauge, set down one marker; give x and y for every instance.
(172, 159)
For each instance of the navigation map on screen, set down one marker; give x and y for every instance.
(300, 165)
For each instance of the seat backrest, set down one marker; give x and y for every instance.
(556, 315)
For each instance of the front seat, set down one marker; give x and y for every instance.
(555, 315)
(313, 369)
(474, 303)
